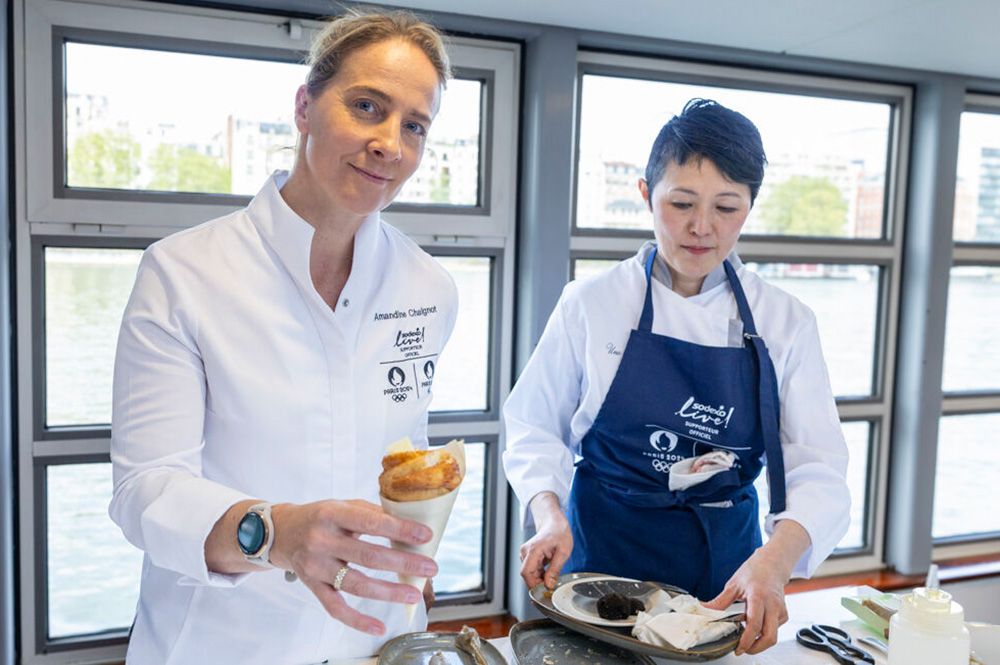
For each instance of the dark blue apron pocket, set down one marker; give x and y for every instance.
(734, 532)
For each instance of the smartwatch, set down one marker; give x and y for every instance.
(255, 534)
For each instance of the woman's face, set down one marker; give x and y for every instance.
(697, 217)
(363, 135)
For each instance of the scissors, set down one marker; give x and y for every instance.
(835, 642)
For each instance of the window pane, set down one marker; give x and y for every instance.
(449, 170)
(831, 291)
(460, 554)
(93, 572)
(977, 188)
(461, 379)
(971, 355)
(968, 472)
(858, 438)
(589, 267)
(138, 119)
(85, 295)
(183, 122)
(826, 157)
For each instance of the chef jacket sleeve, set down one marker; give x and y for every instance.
(814, 450)
(539, 454)
(161, 501)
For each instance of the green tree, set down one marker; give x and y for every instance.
(804, 206)
(177, 169)
(107, 159)
(441, 191)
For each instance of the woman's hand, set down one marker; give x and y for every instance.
(543, 556)
(316, 540)
(761, 581)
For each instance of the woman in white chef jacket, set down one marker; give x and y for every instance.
(659, 389)
(259, 379)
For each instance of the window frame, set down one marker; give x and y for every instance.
(228, 33)
(884, 253)
(131, 220)
(971, 402)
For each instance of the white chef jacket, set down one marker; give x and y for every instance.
(235, 380)
(564, 384)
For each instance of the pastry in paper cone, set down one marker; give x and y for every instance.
(421, 486)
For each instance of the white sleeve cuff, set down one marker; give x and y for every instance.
(176, 525)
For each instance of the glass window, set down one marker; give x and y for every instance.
(139, 137)
(460, 554)
(832, 291)
(829, 290)
(141, 130)
(971, 355)
(449, 170)
(93, 572)
(827, 157)
(858, 438)
(176, 122)
(86, 291)
(461, 378)
(977, 186)
(589, 267)
(968, 472)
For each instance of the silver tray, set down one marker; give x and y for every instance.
(418, 648)
(622, 637)
(545, 642)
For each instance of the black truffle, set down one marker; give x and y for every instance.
(636, 606)
(615, 606)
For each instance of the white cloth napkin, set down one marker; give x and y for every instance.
(680, 622)
(682, 477)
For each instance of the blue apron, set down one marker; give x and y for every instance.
(671, 400)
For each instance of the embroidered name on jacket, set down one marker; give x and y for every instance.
(412, 312)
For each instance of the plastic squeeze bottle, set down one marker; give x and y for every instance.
(928, 629)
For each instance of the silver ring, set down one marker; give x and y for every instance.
(339, 579)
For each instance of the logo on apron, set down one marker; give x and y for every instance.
(704, 421)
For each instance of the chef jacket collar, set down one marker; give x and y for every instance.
(290, 237)
(662, 274)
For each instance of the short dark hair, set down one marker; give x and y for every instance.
(706, 129)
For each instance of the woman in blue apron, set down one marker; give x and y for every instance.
(671, 402)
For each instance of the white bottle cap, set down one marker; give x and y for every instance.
(933, 610)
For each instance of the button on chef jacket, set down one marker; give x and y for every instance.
(563, 386)
(235, 380)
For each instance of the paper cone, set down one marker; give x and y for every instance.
(432, 512)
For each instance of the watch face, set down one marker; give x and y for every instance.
(251, 533)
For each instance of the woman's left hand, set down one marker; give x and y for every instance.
(761, 581)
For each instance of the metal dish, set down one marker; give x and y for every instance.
(545, 642)
(419, 648)
(622, 637)
(578, 599)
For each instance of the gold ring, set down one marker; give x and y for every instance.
(339, 579)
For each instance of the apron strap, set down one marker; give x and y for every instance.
(646, 320)
(767, 395)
